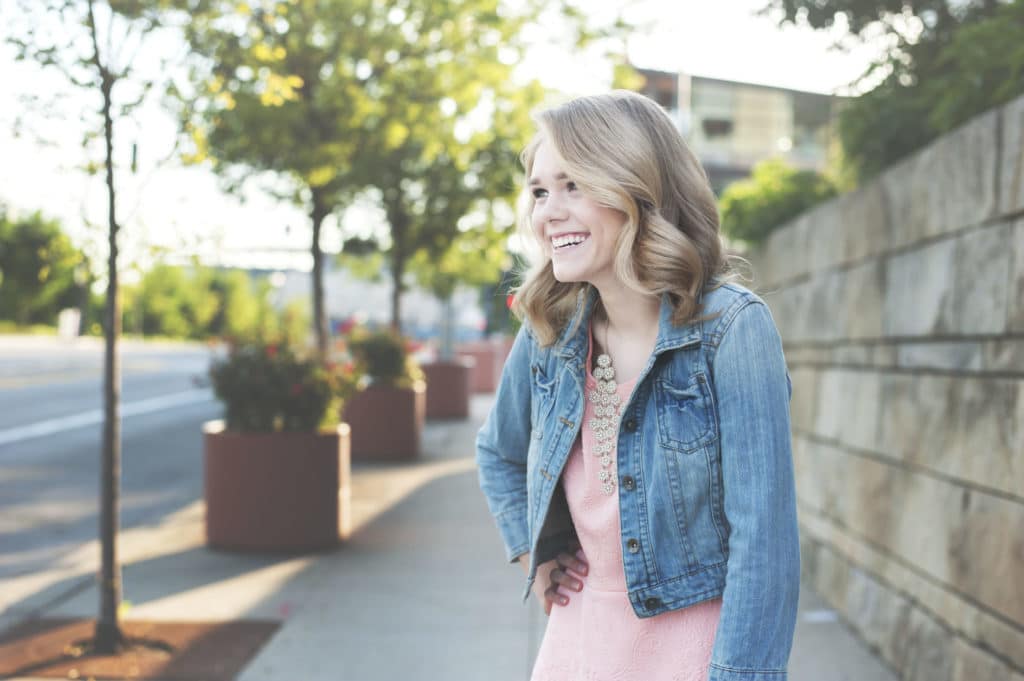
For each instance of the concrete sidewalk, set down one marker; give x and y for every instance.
(420, 591)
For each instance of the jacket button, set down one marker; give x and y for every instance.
(633, 545)
(630, 425)
(628, 483)
(652, 603)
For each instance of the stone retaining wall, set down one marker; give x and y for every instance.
(901, 307)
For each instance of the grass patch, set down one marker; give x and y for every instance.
(9, 327)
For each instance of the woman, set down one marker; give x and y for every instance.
(637, 458)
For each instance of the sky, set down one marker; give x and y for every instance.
(166, 208)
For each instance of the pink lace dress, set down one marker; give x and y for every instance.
(597, 636)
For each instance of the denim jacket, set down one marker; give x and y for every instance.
(706, 492)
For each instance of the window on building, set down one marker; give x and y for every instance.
(716, 127)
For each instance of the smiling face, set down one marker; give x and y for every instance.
(575, 230)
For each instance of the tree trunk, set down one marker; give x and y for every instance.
(317, 214)
(399, 229)
(108, 635)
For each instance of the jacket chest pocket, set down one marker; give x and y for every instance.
(686, 414)
(542, 397)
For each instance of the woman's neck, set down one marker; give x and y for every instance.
(629, 329)
(630, 314)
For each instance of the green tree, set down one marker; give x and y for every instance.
(275, 89)
(243, 305)
(171, 301)
(476, 257)
(947, 62)
(442, 190)
(38, 266)
(774, 194)
(413, 101)
(95, 44)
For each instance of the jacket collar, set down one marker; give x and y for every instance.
(573, 341)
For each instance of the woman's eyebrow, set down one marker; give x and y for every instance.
(559, 176)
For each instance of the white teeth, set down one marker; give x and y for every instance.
(568, 240)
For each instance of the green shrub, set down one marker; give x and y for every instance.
(266, 387)
(774, 194)
(384, 355)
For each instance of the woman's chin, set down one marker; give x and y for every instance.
(565, 275)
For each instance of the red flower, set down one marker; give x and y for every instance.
(271, 351)
(510, 300)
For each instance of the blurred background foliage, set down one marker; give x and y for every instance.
(947, 62)
(413, 108)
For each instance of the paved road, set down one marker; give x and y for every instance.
(50, 421)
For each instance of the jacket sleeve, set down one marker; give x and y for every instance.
(755, 630)
(501, 449)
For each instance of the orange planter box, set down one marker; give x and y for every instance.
(276, 491)
(489, 356)
(449, 386)
(387, 422)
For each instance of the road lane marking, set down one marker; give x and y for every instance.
(89, 418)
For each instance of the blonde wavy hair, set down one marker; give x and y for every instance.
(622, 150)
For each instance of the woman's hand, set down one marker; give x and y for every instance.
(556, 578)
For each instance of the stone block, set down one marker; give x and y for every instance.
(979, 298)
(968, 428)
(864, 299)
(823, 320)
(804, 402)
(1011, 175)
(789, 309)
(782, 256)
(824, 239)
(815, 485)
(859, 416)
(973, 664)
(1003, 355)
(904, 193)
(917, 286)
(969, 540)
(1015, 314)
(986, 552)
(949, 185)
(900, 579)
(865, 219)
(961, 175)
(832, 397)
(957, 356)
(884, 356)
(858, 354)
(927, 655)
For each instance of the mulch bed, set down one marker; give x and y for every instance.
(186, 651)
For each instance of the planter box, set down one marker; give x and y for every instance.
(276, 491)
(387, 422)
(489, 356)
(449, 385)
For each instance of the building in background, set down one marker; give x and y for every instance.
(731, 126)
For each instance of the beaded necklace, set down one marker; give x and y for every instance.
(605, 425)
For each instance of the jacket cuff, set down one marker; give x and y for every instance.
(717, 673)
(512, 526)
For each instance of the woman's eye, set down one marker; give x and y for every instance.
(539, 193)
(571, 186)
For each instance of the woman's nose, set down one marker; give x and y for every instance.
(553, 208)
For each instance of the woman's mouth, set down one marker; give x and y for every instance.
(566, 242)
